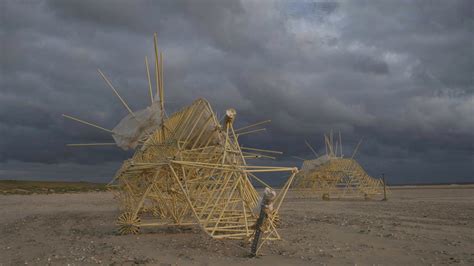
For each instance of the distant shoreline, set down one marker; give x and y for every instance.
(26, 187)
(52, 181)
(433, 186)
(417, 185)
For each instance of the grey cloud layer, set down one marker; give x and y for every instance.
(398, 74)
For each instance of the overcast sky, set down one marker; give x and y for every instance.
(398, 74)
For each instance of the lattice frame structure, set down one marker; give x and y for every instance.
(333, 176)
(188, 169)
(194, 174)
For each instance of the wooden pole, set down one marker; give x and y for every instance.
(384, 188)
(149, 79)
(340, 143)
(299, 158)
(251, 131)
(157, 64)
(326, 144)
(116, 93)
(332, 142)
(311, 148)
(162, 89)
(262, 150)
(87, 123)
(90, 144)
(253, 125)
(356, 148)
(159, 82)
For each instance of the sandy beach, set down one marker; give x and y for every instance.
(417, 226)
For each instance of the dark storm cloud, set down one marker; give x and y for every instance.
(398, 74)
